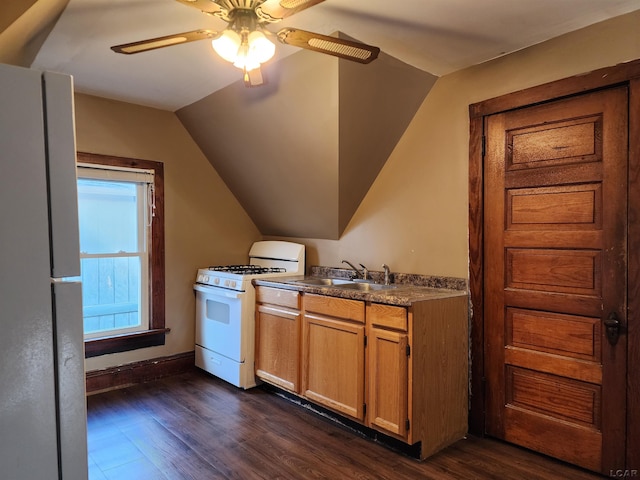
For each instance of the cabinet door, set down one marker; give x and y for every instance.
(388, 382)
(278, 346)
(334, 364)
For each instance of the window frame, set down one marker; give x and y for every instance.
(141, 253)
(157, 331)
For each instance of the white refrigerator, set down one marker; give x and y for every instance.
(43, 426)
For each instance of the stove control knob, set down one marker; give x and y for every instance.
(200, 278)
(206, 278)
(233, 284)
(216, 281)
(226, 283)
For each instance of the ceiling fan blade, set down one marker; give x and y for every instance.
(338, 47)
(161, 42)
(207, 6)
(276, 10)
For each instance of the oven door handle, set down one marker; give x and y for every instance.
(217, 291)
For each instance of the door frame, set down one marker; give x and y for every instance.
(623, 74)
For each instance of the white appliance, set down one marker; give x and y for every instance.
(43, 431)
(225, 309)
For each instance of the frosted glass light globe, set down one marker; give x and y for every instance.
(260, 48)
(226, 45)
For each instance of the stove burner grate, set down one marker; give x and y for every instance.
(247, 269)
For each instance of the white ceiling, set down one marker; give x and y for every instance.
(437, 36)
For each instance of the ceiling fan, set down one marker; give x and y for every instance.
(244, 41)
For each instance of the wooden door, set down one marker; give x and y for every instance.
(555, 256)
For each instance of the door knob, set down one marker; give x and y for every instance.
(612, 325)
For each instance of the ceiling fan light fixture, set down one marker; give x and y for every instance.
(245, 43)
(227, 45)
(244, 60)
(245, 51)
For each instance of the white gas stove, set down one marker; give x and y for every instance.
(225, 309)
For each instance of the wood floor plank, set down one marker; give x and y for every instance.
(194, 426)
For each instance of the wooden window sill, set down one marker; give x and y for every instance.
(94, 347)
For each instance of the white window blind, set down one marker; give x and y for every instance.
(122, 174)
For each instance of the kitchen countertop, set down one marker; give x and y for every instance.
(401, 295)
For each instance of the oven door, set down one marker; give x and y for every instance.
(219, 316)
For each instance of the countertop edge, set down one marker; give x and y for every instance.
(403, 295)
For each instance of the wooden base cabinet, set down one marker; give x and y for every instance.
(402, 371)
(278, 327)
(417, 371)
(438, 372)
(333, 354)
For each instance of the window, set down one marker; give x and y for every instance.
(115, 220)
(120, 205)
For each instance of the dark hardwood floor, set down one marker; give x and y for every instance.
(194, 426)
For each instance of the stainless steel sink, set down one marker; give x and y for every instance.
(365, 287)
(323, 281)
(360, 286)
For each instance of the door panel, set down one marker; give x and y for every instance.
(558, 142)
(555, 251)
(560, 270)
(567, 207)
(569, 335)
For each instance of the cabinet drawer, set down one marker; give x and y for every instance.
(335, 307)
(278, 296)
(387, 316)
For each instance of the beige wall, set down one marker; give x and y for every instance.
(414, 217)
(204, 224)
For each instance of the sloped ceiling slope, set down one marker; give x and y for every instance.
(377, 104)
(301, 152)
(12, 9)
(24, 26)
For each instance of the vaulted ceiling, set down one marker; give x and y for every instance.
(435, 36)
(301, 151)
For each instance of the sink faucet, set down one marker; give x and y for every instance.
(387, 274)
(364, 273)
